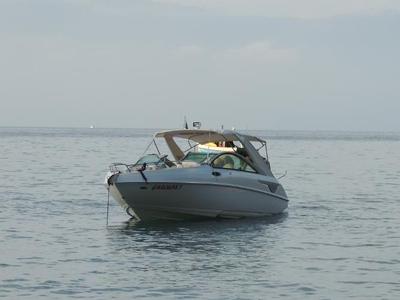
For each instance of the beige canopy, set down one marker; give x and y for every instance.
(202, 136)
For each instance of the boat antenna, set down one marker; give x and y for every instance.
(185, 124)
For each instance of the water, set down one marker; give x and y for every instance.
(339, 238)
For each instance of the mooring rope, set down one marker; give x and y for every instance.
(108, 205)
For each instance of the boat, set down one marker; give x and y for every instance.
(177, 181)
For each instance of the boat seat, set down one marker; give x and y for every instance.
(228, 166)
(219, 162)
(228, 162)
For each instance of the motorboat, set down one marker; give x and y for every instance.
(177, 181)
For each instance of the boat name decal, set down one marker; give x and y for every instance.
(167, 187)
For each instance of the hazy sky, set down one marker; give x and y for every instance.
(254, 64)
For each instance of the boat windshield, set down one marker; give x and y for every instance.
(149, 159)
(159, 161)
(198, 156)
(233, 162)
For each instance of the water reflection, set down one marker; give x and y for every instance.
(212, 224)
(201, 236)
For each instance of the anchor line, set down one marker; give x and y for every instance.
(108, 205)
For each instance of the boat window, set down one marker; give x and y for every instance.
(233, 162)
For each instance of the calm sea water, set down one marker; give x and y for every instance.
(339, 238)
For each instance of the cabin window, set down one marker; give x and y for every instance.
(232, 162)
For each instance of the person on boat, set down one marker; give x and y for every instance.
(243, 153)
(229, 144)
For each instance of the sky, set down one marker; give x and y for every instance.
(252, 64)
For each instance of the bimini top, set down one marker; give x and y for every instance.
(202, 136)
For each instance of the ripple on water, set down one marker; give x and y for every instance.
(337, 240)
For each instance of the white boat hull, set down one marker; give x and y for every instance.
(189, 194)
